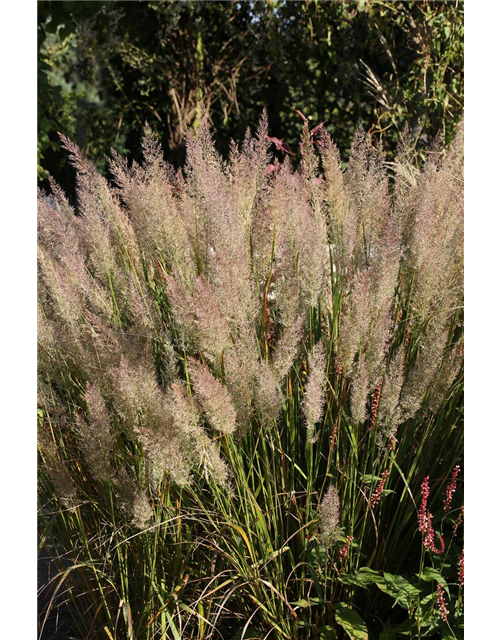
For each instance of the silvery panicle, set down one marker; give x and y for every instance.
(359, 392)
(329, 518)
(314, 395)
(214, 398)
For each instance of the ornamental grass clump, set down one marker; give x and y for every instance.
(232, 357)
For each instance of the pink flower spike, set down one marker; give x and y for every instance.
(425, 522)
(461, 569)
(422, 512)
(450, 489)
(459, 521)
(377, 494)
(441, 603)
(344, 550)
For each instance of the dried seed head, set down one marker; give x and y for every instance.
(214, 398)
(329, 518)
(359, 392)
(314, 396)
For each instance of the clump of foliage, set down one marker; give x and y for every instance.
(248, 373)
(106, 67)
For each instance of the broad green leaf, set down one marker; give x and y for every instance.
(351, 622)
(428, 614)
(326, 633)
(367, 478)
(429, 574)
(446, 633)
(362, 578)
(400, 589)
(304, 604)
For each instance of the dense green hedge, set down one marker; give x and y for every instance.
(107, 67)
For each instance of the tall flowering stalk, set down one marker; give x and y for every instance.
(224, 351)
(377, 494)
(451, 488)
(461, 569)
(425, 522)
(441, 603)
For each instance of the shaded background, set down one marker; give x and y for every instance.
(104, 68)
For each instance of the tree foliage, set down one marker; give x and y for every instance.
(107, 67)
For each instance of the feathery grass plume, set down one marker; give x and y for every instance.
(109, 236)
(422, 373)
(309, 161)
(139, 309)
(368, 314)
(389, 412)
(222, 243)
(63, 306)
(248, 172)
(59, 475)
(77, 310)
(133, 500)
(149, 195)
(241, 372)
(207, 185)
(267, 399)
(57, 225)
(52, 454)
(145, 412)
(367, 187)
(101, 350)
(314, 395)
(182, 312)
(301, 264)
(359, 392)
(67, 291)
(435, 244)
(184, 410)
(355, 321)
(97, 434)
(199, 318)
(48, 359)
(383, 281)
(214, 398)
(58, 293)
(137, 396)
(342, 217)
(211, 328)
(446, 376)
(287, 347)
(280, 242)
(406, 182)
(329, 518)
(204, 452)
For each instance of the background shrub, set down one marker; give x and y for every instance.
(104, 68)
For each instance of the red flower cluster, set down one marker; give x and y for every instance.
(459, 521)
(461, 568)
(425, 522)
(450, 489)
(343, 551)
(441, 603)
(377, 494)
